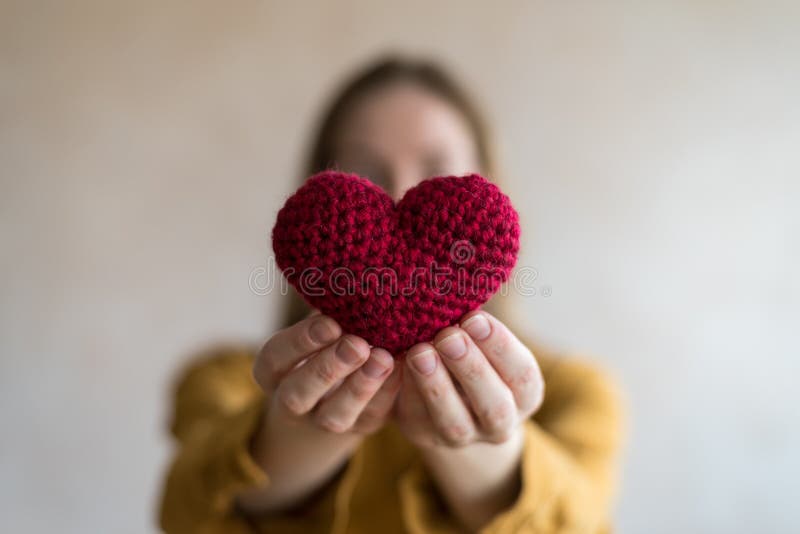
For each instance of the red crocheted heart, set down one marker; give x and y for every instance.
(396, 274)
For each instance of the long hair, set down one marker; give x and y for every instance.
(382, 73)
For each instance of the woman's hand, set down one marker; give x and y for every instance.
(463, 400)
(324, 392)
(475, 383)
(315, 375)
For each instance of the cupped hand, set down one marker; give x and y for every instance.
(324, 391)
(475, 382)
(315, 375)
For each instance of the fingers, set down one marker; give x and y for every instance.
(511, 359)
(379, 407)
(303, 387)
(339, 412)
(413, 417)
(491, 399)
(445, 407)
(288, 347)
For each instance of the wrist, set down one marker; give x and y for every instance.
(477, 481)
(298, 457)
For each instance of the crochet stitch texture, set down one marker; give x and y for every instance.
(396, 274)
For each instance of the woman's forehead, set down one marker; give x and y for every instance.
(404, 117)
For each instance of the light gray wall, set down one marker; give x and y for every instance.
(652, 148)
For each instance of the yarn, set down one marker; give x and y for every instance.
(396, 274)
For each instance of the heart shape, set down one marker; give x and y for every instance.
(396, 274)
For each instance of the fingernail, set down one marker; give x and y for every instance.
(378, 365)
(477, 327)
(322, 331)
(424, 362)
(348, 352)
(453, 346)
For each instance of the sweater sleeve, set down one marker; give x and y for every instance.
(217, 409)
(567, 466)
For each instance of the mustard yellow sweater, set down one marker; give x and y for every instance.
(567, 468)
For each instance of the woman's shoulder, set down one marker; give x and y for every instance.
(216, 381)
(575, 382)
(565, 365)
(562, 370)
(225, 359)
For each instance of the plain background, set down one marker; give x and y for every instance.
(652, 148)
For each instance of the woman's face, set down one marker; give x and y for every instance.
(399, 135)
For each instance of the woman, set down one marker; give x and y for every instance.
(458, 436)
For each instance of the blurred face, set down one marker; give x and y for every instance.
(399, 135)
